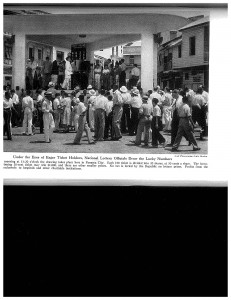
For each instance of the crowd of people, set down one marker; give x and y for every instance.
(66, 73)
(109, 113)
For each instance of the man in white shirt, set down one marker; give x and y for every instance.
(56, 104)
(82, 123)
(15, 109)
(136, 103)
(67, 113)
(135, 75)
(117, 113)
(125, 120)
(40, 99)
(99, 115)
(156, 95)
(28, 107)
(177, 101)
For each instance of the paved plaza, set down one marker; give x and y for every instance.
(63, 143)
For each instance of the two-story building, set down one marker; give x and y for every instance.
(184, 61)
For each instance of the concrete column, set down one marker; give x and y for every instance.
(19, 61)
(147, 54)
(155, 63)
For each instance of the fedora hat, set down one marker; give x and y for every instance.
(89, 87)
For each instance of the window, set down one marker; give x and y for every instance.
(40, 54)
(131, 60)
(192, 45)
(179, 51)
(160, 60)
(186, 76)
(31, 52)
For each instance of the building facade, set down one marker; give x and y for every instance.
(184, 61)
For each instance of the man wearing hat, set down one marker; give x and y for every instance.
(145, 112)
(125, 120)
(51, 89)
(100, 109)
(135, 103)
(117, 113)
(28, 107)
(91, 109)
(48, 120)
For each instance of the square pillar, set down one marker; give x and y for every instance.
(148, 61)
(19, 61)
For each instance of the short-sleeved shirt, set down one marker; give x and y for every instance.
(126, 98)
(146, 109)
(156, 111)
(198, 99)
(56, 103)
(7, 103)
(184, 110)
(136, 102)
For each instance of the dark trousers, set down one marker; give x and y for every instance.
(175, 124)
(108, 125)
(122, 79)
(15, 115)
(134, 120)
(126, 118)
(156, 135)
(6, 128)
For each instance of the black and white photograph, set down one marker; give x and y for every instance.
(108, 78)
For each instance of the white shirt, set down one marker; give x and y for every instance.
(28, 102)
(80, 108)
(136, 101)
(177, 102)
(135, 71)
(155, 95)
(126, 98)
(7, 103)
(205, 96)
(100, 102)
(56, 103)
(15, 99)
(46, 106)
(156, 111)
(68, 68)
(109, 106)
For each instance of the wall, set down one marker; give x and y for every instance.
(191, 60)
(46, 51)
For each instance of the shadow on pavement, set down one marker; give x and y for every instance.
(37, 142)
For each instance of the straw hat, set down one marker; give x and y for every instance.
(135, 92)
(92, 92)
(123, 89)
(51, 84)
(89, 87)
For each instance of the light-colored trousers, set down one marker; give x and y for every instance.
(27, 120)
(57, 118)
(117, 115)
(144, 125)
(97, 81)
(49, 125)
(184, 129)
(83, 127)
